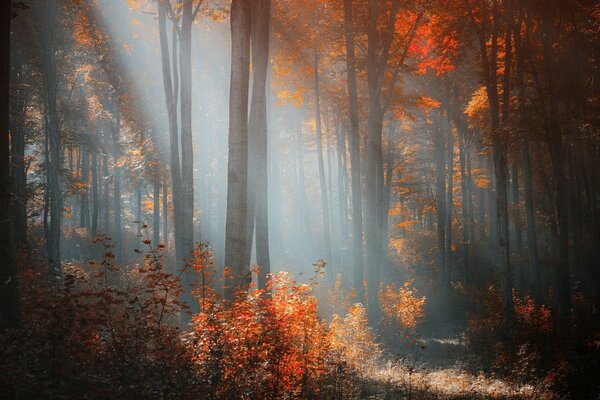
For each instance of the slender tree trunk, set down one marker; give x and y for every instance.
(258, 132)
(95, 195)
(9, 296)
(449, 206)
(118, 237)
(138, 215)
(237, 176)
(466, 212)
(170, 86)
(389, 179)
(105, 195)
(557, 155)
(341, 181)
(499, 162)
(165, 210)
(354, 142)
(186, 237)
(374, 171)
(18, 171)
(440, 192)
(84, 217)
(320, 159)
(301, 186)
(516, 199)
(48, 26)
(156, 211)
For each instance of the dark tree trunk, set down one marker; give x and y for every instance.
(48, 25)
(449, 206)
(557, 155)
(440, 193)
(258, 132)
(321, 161)
(185, 244)
(138, 215)
(342, 178)
(354, 143)
(9, 297)
(237, 176)
(84, 215)
(165, 210)
(95, 195)
(105, 194)
(156, 211)
(117, 213)
(20, 101)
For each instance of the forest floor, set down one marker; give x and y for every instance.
(438, 370)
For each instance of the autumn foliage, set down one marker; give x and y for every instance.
(121, 325)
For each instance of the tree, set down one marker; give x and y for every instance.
(258, 189)
(9, 298)
(237, 169)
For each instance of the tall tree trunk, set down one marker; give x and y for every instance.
(320, 159)
(557, 155)
(354, 142)
(389, 179)
(237, 170)
(18, 171)
(138, 215)
(341, 181)
(105, 194)
(48, 25)
(165, 210)
(84, 217)
(465, 196)
(440, 193)
(95, 195)
(374, 172)
(499, 159)
(171, 88)
(301, 184)
(258, 132)
(156, 211)
(117, 213)
(185, 244)
(449, 205)
(9, 297)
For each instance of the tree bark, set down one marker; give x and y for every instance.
(257, 136)
(237, 171)
(9, 297)
(95, 195)
(354, 143)
(320, 159)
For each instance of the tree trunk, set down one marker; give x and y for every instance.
(49, 23)
(440, 193)
(355, 168)
(156, 211)
(185, 244)
(257, 136)
(9, 297)
(18, 171)
(116, 128)
(84, 215)
(165, 211)
(320, 160)
(449, 206)
(557, 155)
(105, 195)
(237, 171)
(95, 195)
